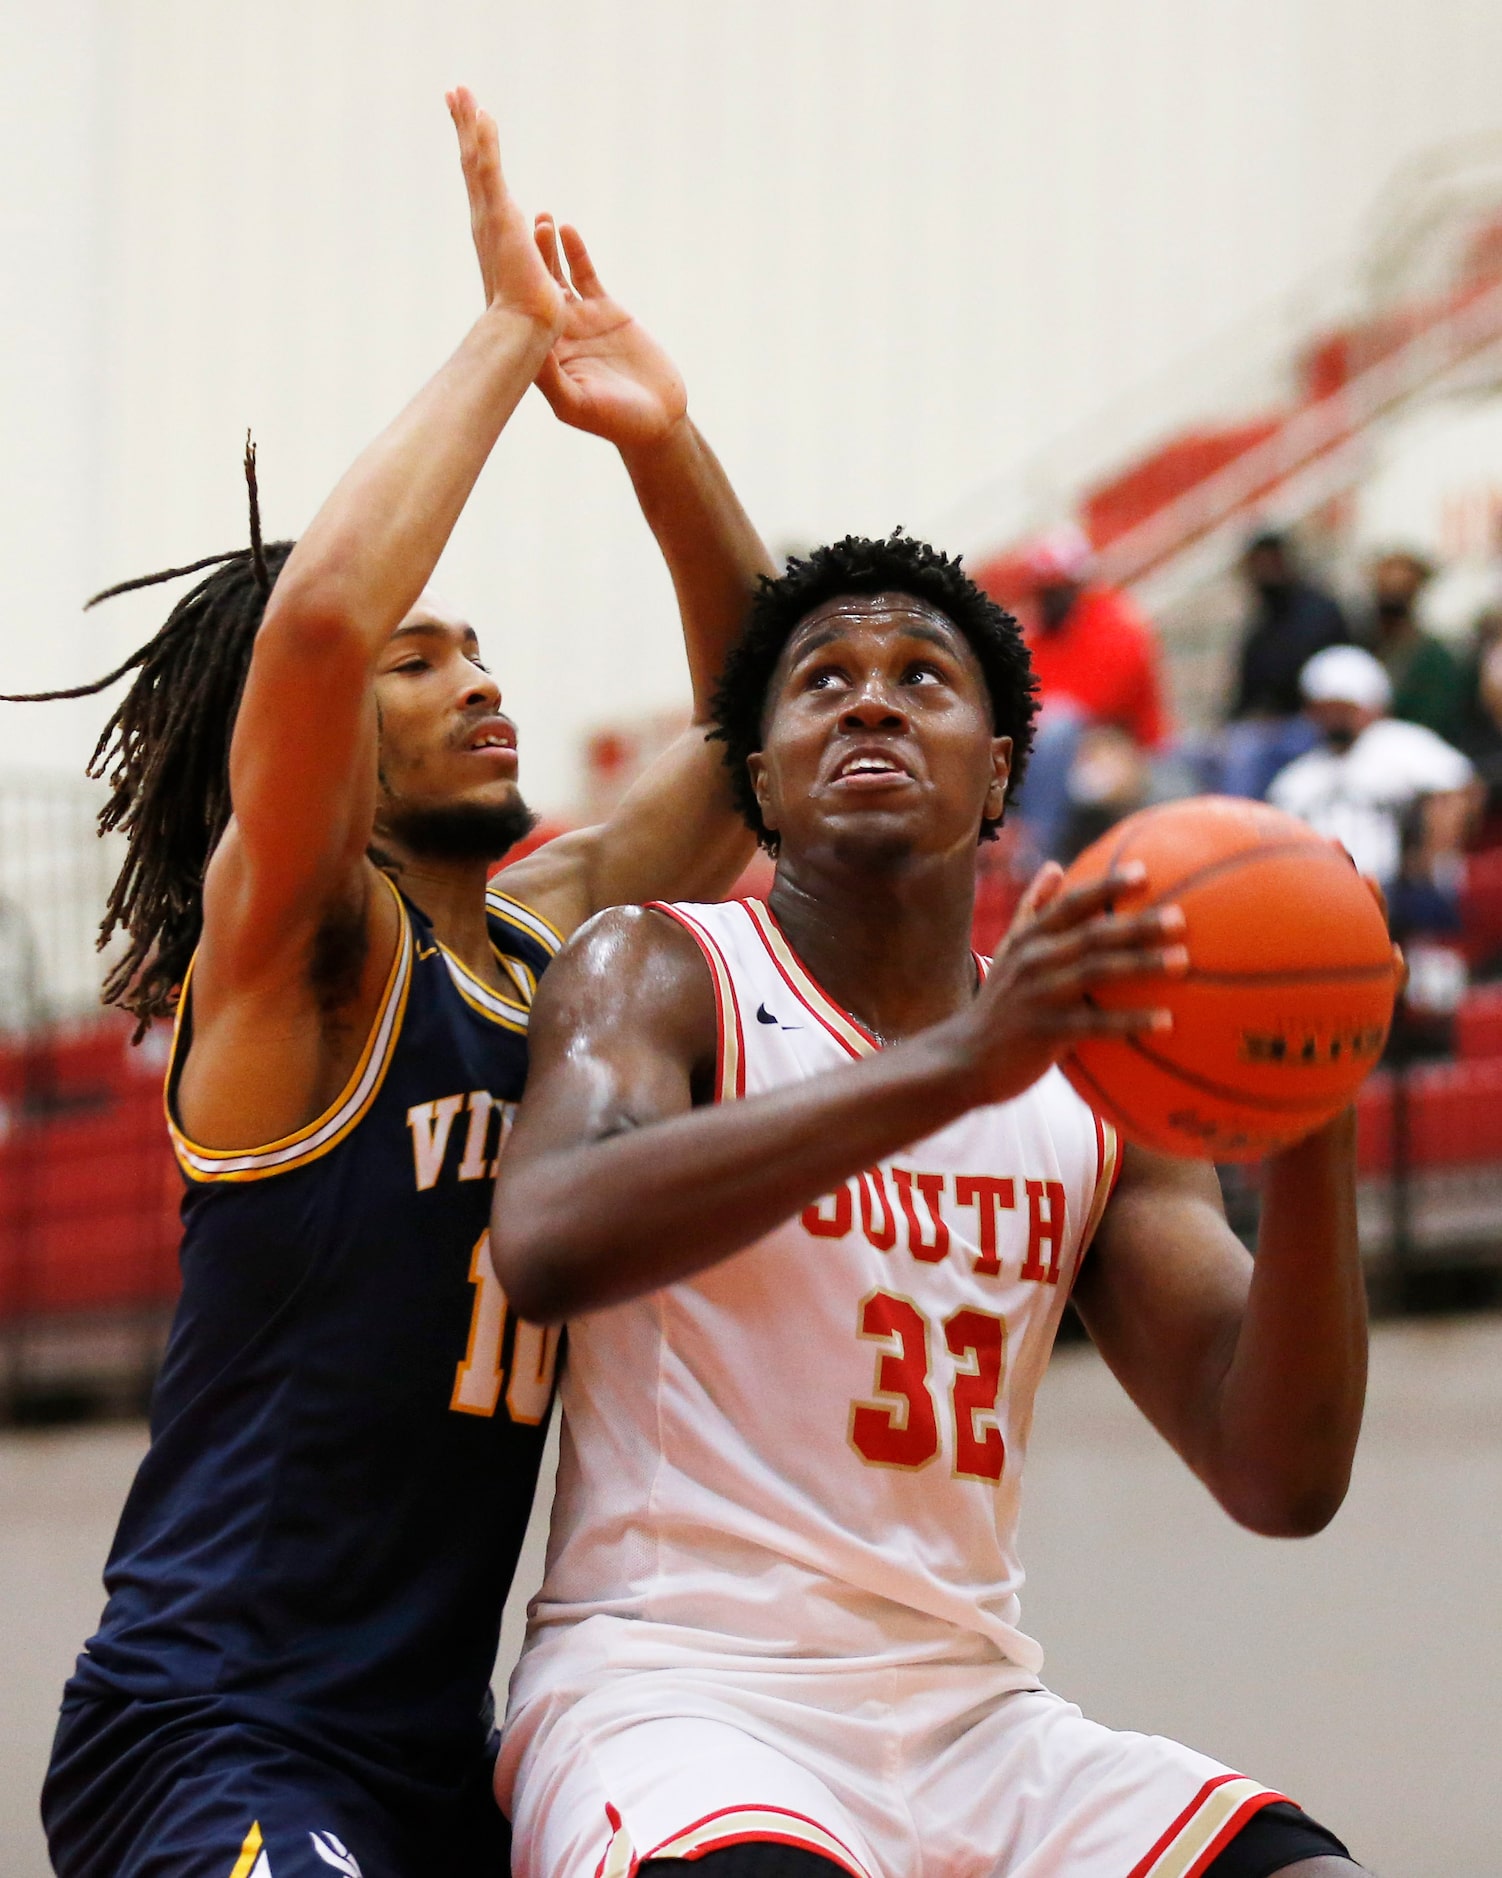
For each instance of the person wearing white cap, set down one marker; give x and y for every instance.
(1394, 794)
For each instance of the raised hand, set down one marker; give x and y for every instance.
(516, 276)
(606, 374)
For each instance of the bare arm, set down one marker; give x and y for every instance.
(618, 1179)
(303, 759)
(1255, 1371)
(270, 1048)
(675, 835)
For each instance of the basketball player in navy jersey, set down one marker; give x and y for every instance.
(305, 1592)
(811, 1192)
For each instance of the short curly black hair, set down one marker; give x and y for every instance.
(899, 564)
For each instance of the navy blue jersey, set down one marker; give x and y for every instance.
(346, 1432)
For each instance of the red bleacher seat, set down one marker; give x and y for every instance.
(89, 1190)
(1454, 1116)
(1478, 1023)
(1481, 907)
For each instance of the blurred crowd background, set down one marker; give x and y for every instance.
(1183, 323)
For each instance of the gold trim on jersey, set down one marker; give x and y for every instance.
(481, 997)
(730, 1050)
(1218, 1811)
(348, 1109)
(1105, 1180)
(522, 975)
(805, 988)
(524, 918)
(250, 1851)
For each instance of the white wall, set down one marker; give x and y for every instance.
(896, 247)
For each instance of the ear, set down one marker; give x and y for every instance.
(1001, 775)
(761, 786)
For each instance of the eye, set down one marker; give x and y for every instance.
(923, 672)
(411, 665)
(825, 678)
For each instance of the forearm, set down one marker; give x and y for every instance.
(363, 561)
(595, 1224)
(1290, 1405)
(713, 552)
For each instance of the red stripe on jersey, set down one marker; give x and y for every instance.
(727, 1027)
(1253, 1803)
(758, 912)
(817, 1839)
(1237, 1820)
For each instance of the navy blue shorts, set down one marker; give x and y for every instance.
(157, 1791)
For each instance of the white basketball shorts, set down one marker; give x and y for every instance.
(917, 1772)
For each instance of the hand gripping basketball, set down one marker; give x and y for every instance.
(1065, 944)
(1286, 1001)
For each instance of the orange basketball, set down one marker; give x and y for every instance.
(1289, 993)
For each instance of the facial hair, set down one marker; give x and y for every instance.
(458, 831)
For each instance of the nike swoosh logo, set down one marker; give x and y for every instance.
(764, 1016)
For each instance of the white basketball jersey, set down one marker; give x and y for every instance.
(815, 1448)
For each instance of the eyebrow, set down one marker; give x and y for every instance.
(822, 636)
(431, 628)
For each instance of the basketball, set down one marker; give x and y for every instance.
(1286, 1003)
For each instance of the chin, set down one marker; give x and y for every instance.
(873, 842)
(470, 830)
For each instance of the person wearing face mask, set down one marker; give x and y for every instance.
(1097, 664)
(1291, 621)
(1397, 797)
(1428, 684)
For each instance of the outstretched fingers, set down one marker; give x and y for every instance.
(587, 282)
(546, 232)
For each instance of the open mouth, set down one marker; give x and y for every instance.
(870, 768)
(494, 734)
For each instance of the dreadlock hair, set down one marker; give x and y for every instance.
(165, 753)
(899, 564)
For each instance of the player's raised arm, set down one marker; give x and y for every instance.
(675, 834)
(622, 1174)
(303, 760)
(1255, 1371)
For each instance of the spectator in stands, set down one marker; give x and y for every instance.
(1428, 681)
(1097, 665)
(1396, 796)
(1292, 619)
(1481, 737)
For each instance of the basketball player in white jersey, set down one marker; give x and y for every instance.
(808, 1186)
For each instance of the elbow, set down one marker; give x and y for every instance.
(314, 616)
(534, 1256)
(1287, 1509)
(529, 1277)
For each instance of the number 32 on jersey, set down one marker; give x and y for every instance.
(901, 1428)
(528, 1377)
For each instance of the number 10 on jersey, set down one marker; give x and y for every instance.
(482, 1374)
(901, 1427)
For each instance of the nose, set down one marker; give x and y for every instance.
(482, 690)
(873, 707)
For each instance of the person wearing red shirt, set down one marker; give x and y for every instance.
(1097, 664)
(1089, 644)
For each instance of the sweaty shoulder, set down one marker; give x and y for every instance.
(630, 973)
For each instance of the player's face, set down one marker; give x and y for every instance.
(448, 758)
(878, 733)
